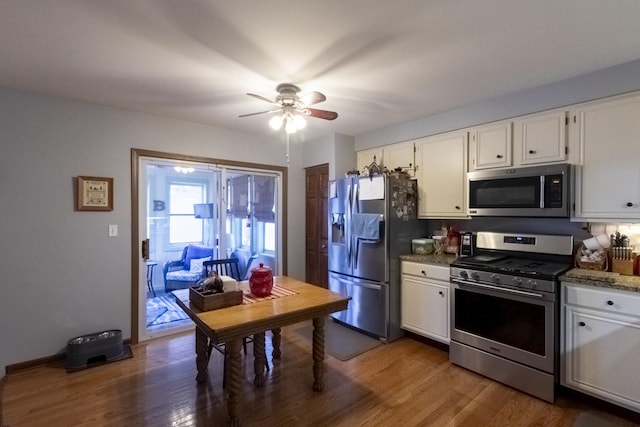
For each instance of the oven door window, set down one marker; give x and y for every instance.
(515, 323)
(505, 193)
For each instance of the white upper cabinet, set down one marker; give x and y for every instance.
(490, 146)
(607, 185)
(400, 156)
(541, 138)
(364, 158)
(442, 175)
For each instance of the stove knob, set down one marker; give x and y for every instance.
(516, 281)
(532, 284)
(495, 278)
(475, 275)
(464, 274)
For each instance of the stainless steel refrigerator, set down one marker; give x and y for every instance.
(371, 223)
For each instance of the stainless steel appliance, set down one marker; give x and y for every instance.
(371, 223)
(467, 243)
(505, 309)
(540, 191)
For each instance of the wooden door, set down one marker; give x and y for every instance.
(316, 231)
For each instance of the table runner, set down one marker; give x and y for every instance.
(276, 292)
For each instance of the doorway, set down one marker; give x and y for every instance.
(187, 206)
(316, 228)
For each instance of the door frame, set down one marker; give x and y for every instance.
(136, 153)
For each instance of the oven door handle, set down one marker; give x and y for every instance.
(496, 288)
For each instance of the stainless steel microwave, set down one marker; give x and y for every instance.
(538, 191)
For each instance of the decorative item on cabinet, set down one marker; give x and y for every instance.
(372, 169)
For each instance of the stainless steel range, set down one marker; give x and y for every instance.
(505, 310)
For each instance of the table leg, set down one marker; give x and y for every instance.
(259, 358)
(235, 367)
(202, 358)
(318, 353)
(275, 342)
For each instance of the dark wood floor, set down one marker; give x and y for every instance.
(405, 383)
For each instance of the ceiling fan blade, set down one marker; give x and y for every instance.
(262, 98)
(312, 98)
(322, 114)
(261, 112)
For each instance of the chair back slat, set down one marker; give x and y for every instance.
(224, 267)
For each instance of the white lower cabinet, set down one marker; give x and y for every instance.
(601, 343)
(425, 300)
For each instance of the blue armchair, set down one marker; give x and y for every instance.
(182, 273)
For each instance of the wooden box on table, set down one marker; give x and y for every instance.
(207, 301)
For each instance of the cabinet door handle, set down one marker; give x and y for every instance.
(629, 204)
(499, 156)
(458, 207)
(424, 273)
(441, 293)
(609, 302)
(532, 151)
(582, 324)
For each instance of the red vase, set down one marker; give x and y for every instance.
(261, 281)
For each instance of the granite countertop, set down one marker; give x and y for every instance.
(429, 259)
(603, 279)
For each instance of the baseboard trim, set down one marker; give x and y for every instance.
(433, 343)
(29, 364)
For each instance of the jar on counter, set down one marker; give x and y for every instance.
(422, 246)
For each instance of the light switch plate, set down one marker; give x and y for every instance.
(113, 230)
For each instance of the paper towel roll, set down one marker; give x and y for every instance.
(229, 284)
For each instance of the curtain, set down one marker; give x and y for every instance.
(263, 200)
(240, 195)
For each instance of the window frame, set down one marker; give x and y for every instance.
(184, 180)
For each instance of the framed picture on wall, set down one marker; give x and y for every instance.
(94, 193)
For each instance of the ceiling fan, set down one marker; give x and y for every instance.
(293, 107)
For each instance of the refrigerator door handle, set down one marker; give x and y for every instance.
(356, 245)
(348, 226)
(353, 241)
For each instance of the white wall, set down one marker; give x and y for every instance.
(337, 150)
(60, 274)
(599, 84)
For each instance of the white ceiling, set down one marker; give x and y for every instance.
(379, 62)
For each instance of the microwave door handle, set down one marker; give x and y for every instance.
(541, 191)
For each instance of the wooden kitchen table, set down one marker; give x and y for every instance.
(229, 325)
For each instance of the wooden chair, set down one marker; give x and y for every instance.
(225, 267)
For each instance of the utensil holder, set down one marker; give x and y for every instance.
(622, 266)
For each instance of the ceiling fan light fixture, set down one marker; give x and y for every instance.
(299, 121)
(293, 108)
(290, 126)
(276, 122)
